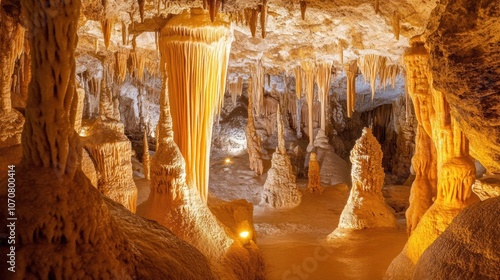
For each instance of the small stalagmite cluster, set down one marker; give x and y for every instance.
(366, 207)
(280, 189)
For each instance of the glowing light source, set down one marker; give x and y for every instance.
(244, 234)
(227, 160)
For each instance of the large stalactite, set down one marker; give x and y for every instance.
(323, 79)
(196, 54)
(310, 71)
(253, 139)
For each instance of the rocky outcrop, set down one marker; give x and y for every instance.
(468, 248)
(465, 65)
(366, 207)
(487, 187)
(111, 151)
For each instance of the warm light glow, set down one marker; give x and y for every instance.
(83, 132)
(227, 160)
(244, 234)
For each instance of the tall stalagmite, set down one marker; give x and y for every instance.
(69, 227)
(455, 168)
(196, 54)
(253, 139)
(298, 92)
(366, 207)
(11, 47)
(313, 174)
(177, 206)
(280, 189)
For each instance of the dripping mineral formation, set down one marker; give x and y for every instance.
(231, 139)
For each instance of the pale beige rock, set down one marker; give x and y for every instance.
(280, 188)
(487, 187)
(253, 139)
(366, 207)
(146, 161)
(179, 207)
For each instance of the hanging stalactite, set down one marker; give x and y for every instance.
(263, 18)
(257, 73)
(323, 79)
(372, 66)
(107, 30)
(252, 21)
(141, 8)
(303, 7)
(121, 64)
(196, 54)
(124, 33)
(396, 24)
(310, 71)
(376, 7)
(351, 70)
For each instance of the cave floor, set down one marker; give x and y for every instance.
(293, 241)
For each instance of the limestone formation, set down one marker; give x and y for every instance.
(111, 151)
(310, 71)
(351, 71)
(178, 206)
(468, 248)
(253, 139)
(455, 168)
(72, 229)
(366, 207)
(204, 49)
(145, 156)
(314, 183)
(323, 78)
(487, 187)
(280, 189)
(11, 47)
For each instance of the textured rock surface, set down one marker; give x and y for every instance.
(465, 64)
(365, 206)
(280, 189)
(112, 151)
(313, 175)
(487, 187)
(468, 248)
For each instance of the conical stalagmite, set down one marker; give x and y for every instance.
(280, 189)
(253, 139)
(196, 53)
(366, 207)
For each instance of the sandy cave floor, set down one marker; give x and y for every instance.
(293, 241)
